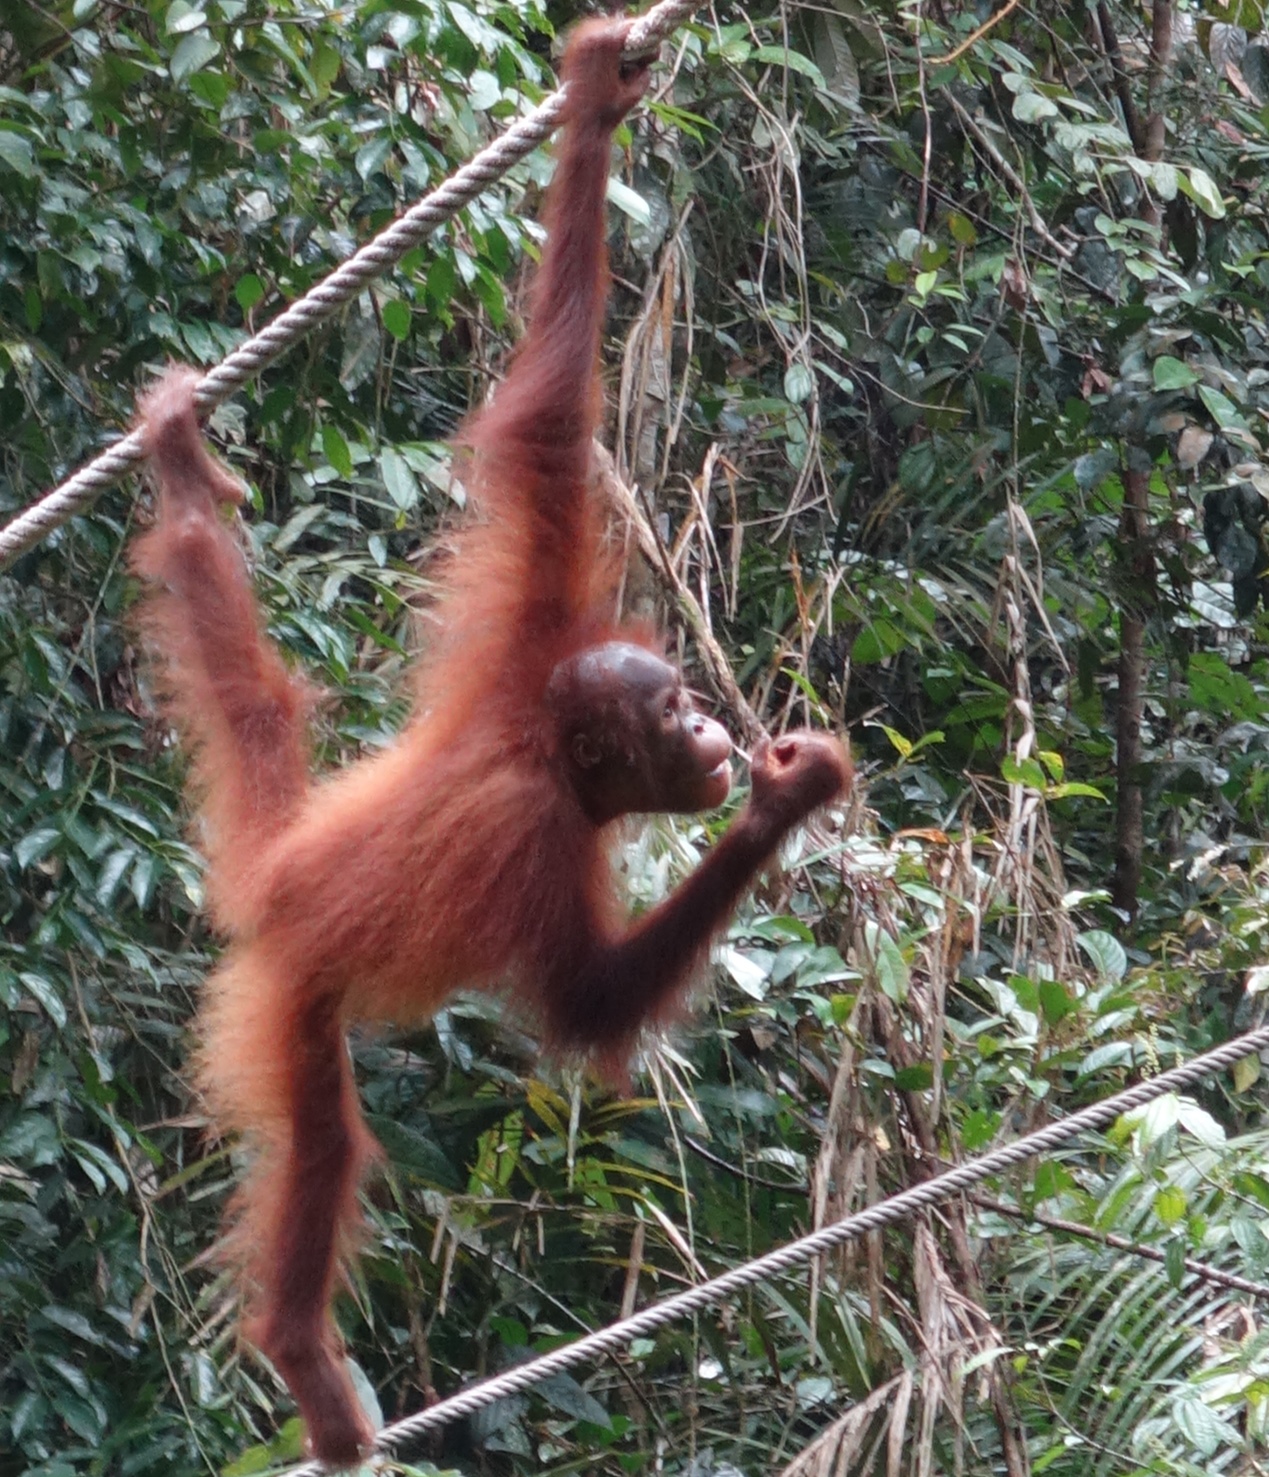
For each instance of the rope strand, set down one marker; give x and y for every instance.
(78, 492)
(884, 1213)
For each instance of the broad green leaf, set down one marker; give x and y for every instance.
(629, 201)
(1031, 107)
(1172, 374)
(1199, 1122)
(324, 64)
(563, 1393)
(782, 56)
(400, 482)
(36, 846)
(1055, 1001)
(1151, 1122)
(1224, 412)
(1029, 773)
(183, 17)
(902, 745)
(1105, 952)
(17, 153)
(397, 318)
(1164, 180)
(112, 873)
(97, 1163)
(372, 156)
(31, 1138)
(192, 53)
(248, 291)
(335, 449)
(144, 875)
(484, 90)
(1170, 1205)
(46, 993)
(962, 229)
(1202, 1427)
(1052, 1179)
(892, 968)
(1112, 1054)
(1204, 193)
(296, 526)
(1071, 788)
(799, 383)
(1093, 467)
(692, 124)
(978, 1129)
(73, 1322)
(750, 976)
(1246, 1073)
(877, 641)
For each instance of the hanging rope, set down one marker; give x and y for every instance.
(885, 1213)
(344, 283)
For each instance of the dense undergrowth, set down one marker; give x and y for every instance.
(899, 331)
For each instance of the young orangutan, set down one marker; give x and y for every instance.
(475, 851)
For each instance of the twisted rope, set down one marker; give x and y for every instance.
(885, 1213)
(246, 361)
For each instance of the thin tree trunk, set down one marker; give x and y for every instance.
(1141, 596)
(1129, 818)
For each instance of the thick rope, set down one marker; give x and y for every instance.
(344, 283)
(884, 1213)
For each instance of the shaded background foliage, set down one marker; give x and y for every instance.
(938, 351)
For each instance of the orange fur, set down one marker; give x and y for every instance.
(460, 856)
(242, 715)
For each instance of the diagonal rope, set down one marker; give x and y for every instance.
(884, 1213)
(347, 280)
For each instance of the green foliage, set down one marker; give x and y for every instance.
(171, 176)
(904, 317)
